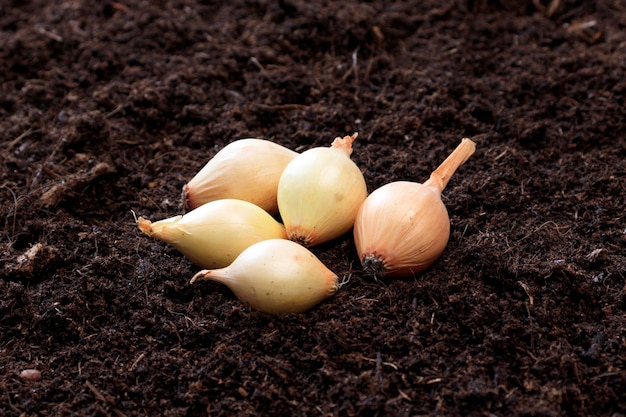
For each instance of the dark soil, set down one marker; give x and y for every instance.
(108, 108)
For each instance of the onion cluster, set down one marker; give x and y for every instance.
(317, 195)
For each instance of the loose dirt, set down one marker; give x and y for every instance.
(108, 108)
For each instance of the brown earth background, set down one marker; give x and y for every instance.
(108, 108)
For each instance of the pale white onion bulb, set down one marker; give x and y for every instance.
(319, 193)
(403, 227)
(246, 169)
(214, 234)
(276, 276)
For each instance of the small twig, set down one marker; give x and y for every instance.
(139, 359)
(353, 68)
(278, 107)
(10, 145)
(120, 7)
(354, 65)
(552, 8)
(114, 111)
(379, 361)
(586, 30)
(556, 226)
(102, 398)
(13, 406)
(95, 392)
(48, 33)
(52, 196)
(525, 287)
(548, 11)
(501, 154)
(257, 64)
(14, 211)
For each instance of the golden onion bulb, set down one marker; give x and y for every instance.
(214, 234)
(276, 276)
(320, 192)
(246, 169)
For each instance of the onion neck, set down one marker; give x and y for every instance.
(218, 275)
(440, 177)
(145, 225)
(344, 144)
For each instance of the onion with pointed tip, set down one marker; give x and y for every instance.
(276, 276)
(214, 234)
(403, 227)
(246, 169)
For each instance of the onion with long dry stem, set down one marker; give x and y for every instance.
(403, 227)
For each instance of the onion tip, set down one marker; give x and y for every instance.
(344, 144)
(200, 276)
(145, 225)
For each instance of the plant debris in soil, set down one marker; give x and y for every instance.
(109, 108)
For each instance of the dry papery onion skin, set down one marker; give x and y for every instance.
(246, 169)
(403, 227)
(320, 192)
(214, 234)
(276, 276)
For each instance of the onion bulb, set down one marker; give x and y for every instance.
(247, 169)
(403, 227)
(319, 193)
(214, 234)
(276, 276)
